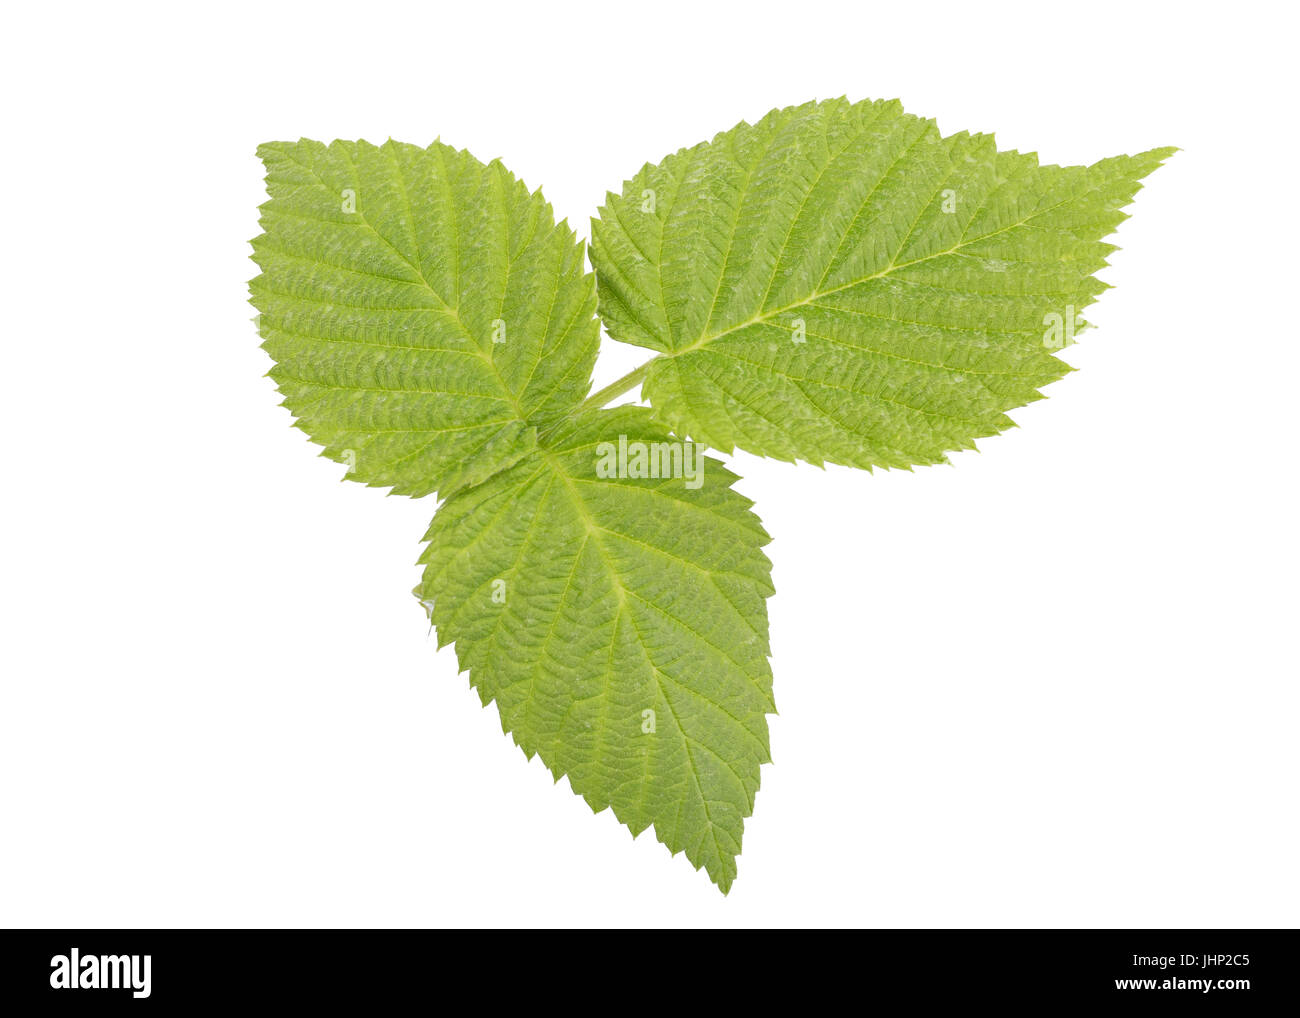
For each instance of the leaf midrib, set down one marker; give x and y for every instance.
(808, 301)
(594, 531)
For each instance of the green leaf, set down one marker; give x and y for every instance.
(426, 314)
(591, 608)
(840, 283)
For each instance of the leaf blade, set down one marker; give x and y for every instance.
(819, 300)
(425, 312)
(622, 595)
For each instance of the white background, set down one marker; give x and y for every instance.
(1053, 684)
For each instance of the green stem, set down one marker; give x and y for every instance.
(615, 389)
(598, 399)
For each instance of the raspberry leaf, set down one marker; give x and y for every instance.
(426, 313)
(839, 283)
(619, 625)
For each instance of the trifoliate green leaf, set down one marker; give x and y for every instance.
(840, 283)
(837, 282)
(426, 314)
(618, 621)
